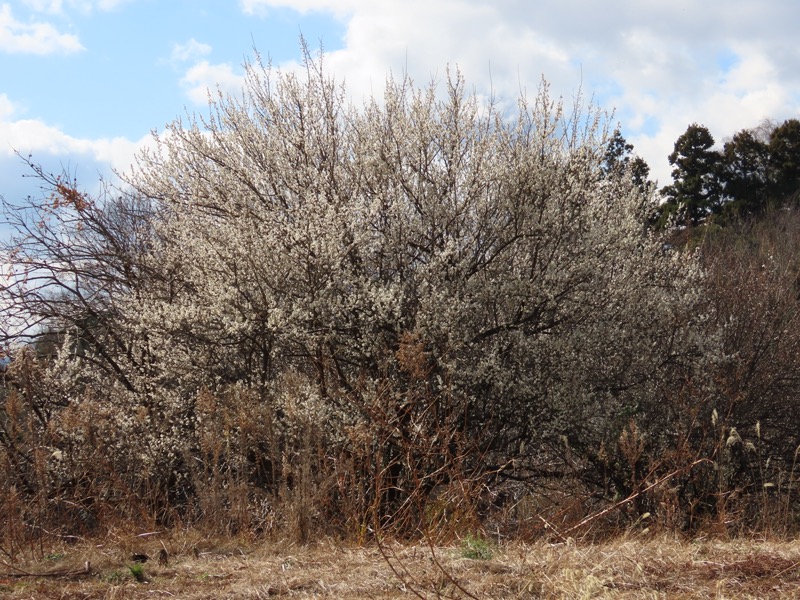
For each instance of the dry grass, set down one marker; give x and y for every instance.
(626, 567)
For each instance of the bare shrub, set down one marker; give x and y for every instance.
(754, 269)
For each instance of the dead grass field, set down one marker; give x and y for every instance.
(626, 567)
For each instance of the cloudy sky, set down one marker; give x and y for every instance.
(84, 82)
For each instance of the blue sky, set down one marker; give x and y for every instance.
(127, 75)
(83, 82)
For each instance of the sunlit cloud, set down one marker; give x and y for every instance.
(190, 50)
(659, 65)
(32, 136)
(204, 79)
(34, 37)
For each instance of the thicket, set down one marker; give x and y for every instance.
(419, 315)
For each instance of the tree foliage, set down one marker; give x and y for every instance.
(756, 169)
(746, 174)
(695, 192)
(619, 157)
(784, 164)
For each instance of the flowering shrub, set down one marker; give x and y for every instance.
(339, 308)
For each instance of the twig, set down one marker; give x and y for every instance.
(634, 495)
(395, 571)
(794, 566)
(552, 527)
(444, 571)
(149, 533)
(17, 569)
(86, 570)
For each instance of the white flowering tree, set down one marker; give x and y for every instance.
(412, 290)
(304, 234)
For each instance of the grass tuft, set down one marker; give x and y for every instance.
(137, 572)
(476, 547)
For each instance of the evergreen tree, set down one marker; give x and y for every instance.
(619, 157)
(784, 160)
(744, 173)
(696, 192)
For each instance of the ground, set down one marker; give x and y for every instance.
(629, 566)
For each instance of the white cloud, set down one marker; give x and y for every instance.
(337, 7)
(205, 78)
(48, 6)
(661, 65)
(7, 107)
(111, 4)
(36, 137)
(57, 6)
(17, 37)
(191, 50)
